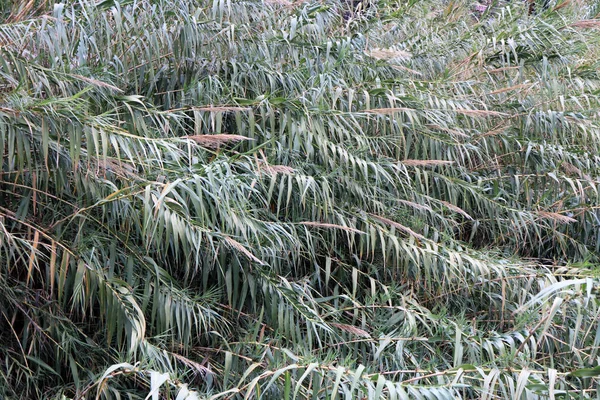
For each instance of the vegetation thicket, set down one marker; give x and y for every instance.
(311, 199)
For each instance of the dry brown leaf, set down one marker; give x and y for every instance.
(192, 364)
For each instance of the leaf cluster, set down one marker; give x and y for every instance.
(276, 199)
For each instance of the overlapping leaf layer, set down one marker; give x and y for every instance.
(310, 199)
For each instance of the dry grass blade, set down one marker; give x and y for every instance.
(398, 226)
(425, 163)
(9, 111)
(202, 370)
(421, 113)
(26, 9)
(335, 226)
(351, 329)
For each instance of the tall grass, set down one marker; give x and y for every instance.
(277, 199)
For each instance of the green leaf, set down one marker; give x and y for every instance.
(586, 372)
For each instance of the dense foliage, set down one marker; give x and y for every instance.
(309, 199)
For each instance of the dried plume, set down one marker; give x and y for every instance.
(215, 141)
(425, 163)
(334, 226)
(97, 82)
(220, 108)
(277, 169)
(403, 68)
(351, 329)
(511, 88)
(389, 111)
(417, 206)
(447, 130)
(398, 226)
(240, 247)
(570, 169)
(556, 217)
(494, 132)
(481, 113)
(587, 23)
(388, 54)
(117, 167)
(457, 209)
